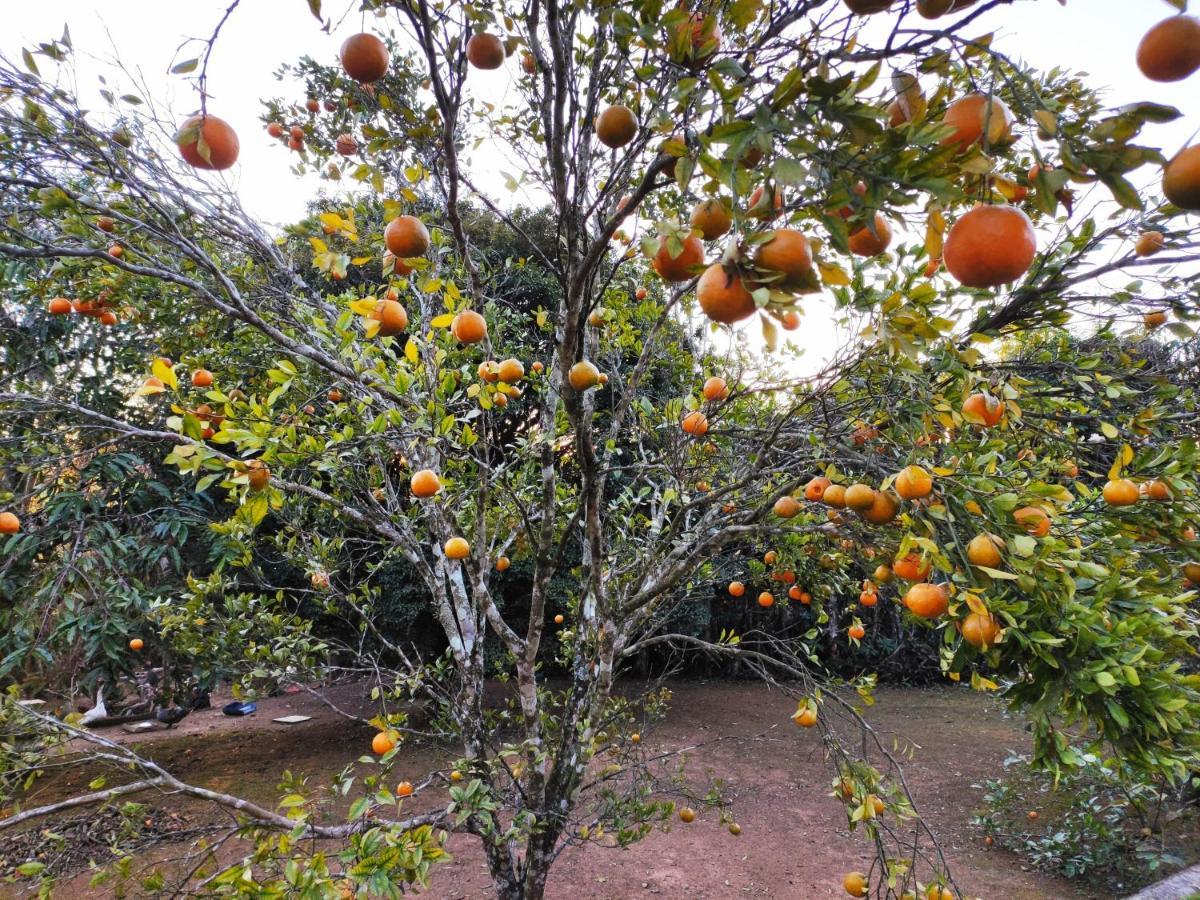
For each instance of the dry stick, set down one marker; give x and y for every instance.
(164, 779)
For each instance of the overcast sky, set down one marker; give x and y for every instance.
(1096, 36)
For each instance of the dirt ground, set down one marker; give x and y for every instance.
(795, 844)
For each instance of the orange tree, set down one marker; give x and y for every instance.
(1023, 490)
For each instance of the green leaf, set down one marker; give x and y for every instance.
(996, 573)
(183, 68)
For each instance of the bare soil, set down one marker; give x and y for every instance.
(794, 844)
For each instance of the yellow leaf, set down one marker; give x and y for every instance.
(1110, 431)
(365, 306)
(935, 231)
(832, 274)
(442, 321)
(371, 328)
(410, 351)
(360, 260)
(166, 373)
(770, 333)
(318, 245)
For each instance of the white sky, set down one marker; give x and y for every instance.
(1096, 36)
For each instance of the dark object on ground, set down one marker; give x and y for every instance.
(169, 715)
(200, 699)
(239, 708)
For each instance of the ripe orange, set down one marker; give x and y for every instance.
(883, 509)
(1149, 243)
(394, 265)
(345, 145)
(334, 396)
(866, 8)
(641, 293)
(425, 483)
(583, 375)
(855, 883)
(558, 620)
(391, 316)
(794, 592)
(937, 892)
(715, 389)
(913, 482)
(786, 507)
(868, 598)
(835, 496)
(382, 743)
(712, 218)
(722, 295)
(485, 51)
(1191, 571)
(984, 550)
(406, 237)
(980, 630)
(258, 475)
(805, 718)
(912, 568)
(9, 523)
(468, 327)
(1033, 520)
(106, 223)
(759, 208)
(59, 306)
(816, 488)
(864, 242)
(1170, 51)
(736, 589)
(136, 644)
(766, 599)
(927, 600)
(990, 246)
(202, 378)
(108, 317)
(457, 548)
(969, 116)
(863, 434)
(695, 423)
(1159, 491)
(856, 631)
(983, 409)
(681, 267)
(1154, 319)
(770, 557)
(860, 496)
(790, 320)
(616, 126)
(364, 58)
(687, 815)
(511, 371)
(404, 789)
(1120, 492)
(1181, 179)
(275, 130)
(221, 150)
(788, 253)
